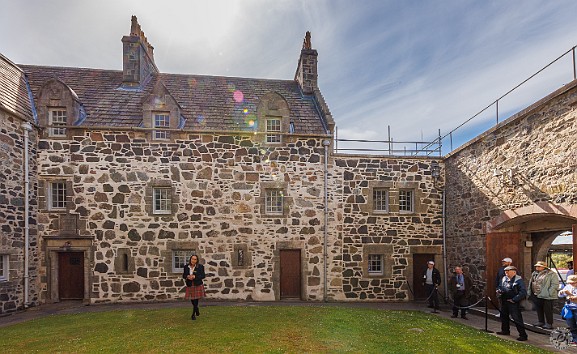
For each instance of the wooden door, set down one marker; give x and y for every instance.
(419, 265)
(499, 246)
(71, 275)
(290, 274)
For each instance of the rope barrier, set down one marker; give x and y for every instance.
(469, 306)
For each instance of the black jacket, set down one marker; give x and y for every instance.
(436, 276)
(453, 285)
(198, 272)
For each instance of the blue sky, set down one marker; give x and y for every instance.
(418, 66)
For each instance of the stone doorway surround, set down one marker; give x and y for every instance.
(439, 264)
(289, 245)
(59, 244)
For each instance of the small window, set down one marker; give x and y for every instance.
(273, 125)
(57, 195)
(375, 264)
(381, 200)
(57, 121)
(161, 200)
(180, 259)
(161, 121)
(4, 267)
(274, 201)
(406, 201)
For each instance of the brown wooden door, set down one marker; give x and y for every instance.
(499, 246)
(71, 275)
(419, 265)
(290, 274)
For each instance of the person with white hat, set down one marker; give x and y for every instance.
(505, 262)
(543, 288)
(511, 291)
(569, 292)
(431, 281)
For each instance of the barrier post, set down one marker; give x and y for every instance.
(487, 314)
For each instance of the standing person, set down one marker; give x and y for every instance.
(460, 287)
(193, 275)
(432, 280)
(543, 288)
(570, 266)
(505, 262)
(511, 291)
(570, 293)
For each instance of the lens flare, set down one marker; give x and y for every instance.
(238, 96)
(245, 111)
(251, 123)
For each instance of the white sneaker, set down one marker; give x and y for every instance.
(498, 314)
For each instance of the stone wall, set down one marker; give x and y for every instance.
(395, 234)
(218, 186)
(535, 152)
(12, 214)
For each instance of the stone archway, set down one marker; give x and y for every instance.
(537, 226)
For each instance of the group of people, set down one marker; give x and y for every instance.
(543, 291)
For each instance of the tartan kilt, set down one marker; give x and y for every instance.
(195, 292)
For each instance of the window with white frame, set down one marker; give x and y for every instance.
(57, 195)
(406, 201)
(274, 201)
(273, 128)
(4, 267)
(161, 120)
(180, 259)
(57, 122)
(380, 199)
(162, 200)
(375, 264)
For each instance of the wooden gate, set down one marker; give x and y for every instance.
(499, 246)
(290, 274)
(419, 265)
(71, 275)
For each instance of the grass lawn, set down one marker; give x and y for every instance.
(253, 329)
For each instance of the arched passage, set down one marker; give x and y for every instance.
(525, 235)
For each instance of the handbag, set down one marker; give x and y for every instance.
(566, 312)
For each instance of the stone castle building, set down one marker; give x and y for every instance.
(130, 172)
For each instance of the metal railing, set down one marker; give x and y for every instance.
(415, 148)
(389, 147)
(496, 102)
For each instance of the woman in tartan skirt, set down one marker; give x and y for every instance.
(193, 275)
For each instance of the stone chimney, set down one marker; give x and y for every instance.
(137, 57)
(306, 74)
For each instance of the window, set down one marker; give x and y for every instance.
(161, 121)
(381, 199)
(273, 125)
(375, 264)
(180, 259)
(57, 195)
(406, 201)
(57, 121)
(4, 267)
(274, 201)
(161, 200)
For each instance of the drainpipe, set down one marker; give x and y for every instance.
(326, 144)
(445, 285)
(27, 127)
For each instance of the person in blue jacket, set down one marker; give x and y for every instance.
(569, 292)
(511, 291)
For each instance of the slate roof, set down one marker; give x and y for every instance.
(13, 90)
(207, 102)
